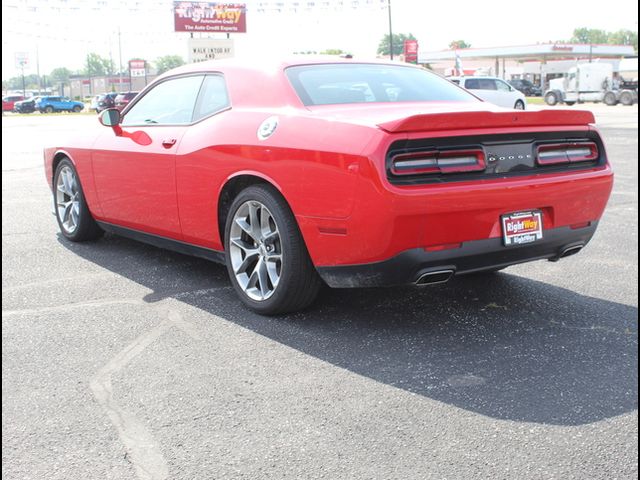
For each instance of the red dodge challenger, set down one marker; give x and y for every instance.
(349, 173)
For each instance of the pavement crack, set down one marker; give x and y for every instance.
(143, 449)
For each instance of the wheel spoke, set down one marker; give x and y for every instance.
(272, 270)
(242, 223)
(263, 277)
(253, 221)
(62, 188)
(249, 260)
(66, 209)
(253, 278)
(265, 225)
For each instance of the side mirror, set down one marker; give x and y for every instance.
(110, 117)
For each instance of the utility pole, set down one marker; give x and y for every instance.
(120, 69)
(38, 68)
(390, 33)
(24, 89)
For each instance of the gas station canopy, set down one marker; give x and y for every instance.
(542, 52)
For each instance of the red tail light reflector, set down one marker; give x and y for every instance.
(448, 161)
(566, 153)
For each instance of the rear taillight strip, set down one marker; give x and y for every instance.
(559, 153)
(430, 162)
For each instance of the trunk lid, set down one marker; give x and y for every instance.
(420, 117)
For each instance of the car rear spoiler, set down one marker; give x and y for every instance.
(484, 119)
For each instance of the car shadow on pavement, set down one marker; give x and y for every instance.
(499, 345)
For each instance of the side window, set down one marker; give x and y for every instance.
(487, 84)
(168, 103)
(472, 84)
(502, 86)
(213, 97)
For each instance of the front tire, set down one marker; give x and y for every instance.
(72, 213)
(77, 109)
(266, 257)
(519, 105)
(551, 98)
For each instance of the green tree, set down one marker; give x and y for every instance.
(96, 66)
(332, 51)
(624, 37)
(15, 83)
(459, 45)
(60, 75)
(398, 43)
(589, 35)
(168, 62)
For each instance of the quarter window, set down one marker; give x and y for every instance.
(502, 86)
(171, 102)
(213, 97)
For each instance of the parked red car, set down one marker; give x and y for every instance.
(123, 99)
(8, 102)
(355, 174)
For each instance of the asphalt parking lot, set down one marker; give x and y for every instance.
(124, 361)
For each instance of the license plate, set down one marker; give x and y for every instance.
(521, 227)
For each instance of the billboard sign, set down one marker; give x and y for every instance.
(210, 17)
(411, 51)
(22, 59)
(137, 68)
(202, 49)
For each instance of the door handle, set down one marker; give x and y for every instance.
(168, 142)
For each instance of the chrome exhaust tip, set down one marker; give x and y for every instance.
(567, 252)
(434, 277)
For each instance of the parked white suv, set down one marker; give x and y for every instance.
(493, 90)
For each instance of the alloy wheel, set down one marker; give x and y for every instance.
(255, 249)
(68, 199)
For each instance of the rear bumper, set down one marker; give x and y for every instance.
(474, 256)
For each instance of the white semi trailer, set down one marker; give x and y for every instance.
(591, 82)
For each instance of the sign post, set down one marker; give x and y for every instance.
(22, 61)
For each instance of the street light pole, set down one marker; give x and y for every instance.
(120, 68)
(390, 32)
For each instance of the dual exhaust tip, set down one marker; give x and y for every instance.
(567, 252)
(434, 277)
(444, 275)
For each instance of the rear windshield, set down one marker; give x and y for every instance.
(332, 84)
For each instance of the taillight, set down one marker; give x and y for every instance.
(436, 161)
(558, 153)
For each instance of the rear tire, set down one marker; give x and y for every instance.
(570, 103)
(48, 109)
(551, 98)
(626, 98)
(72, 213)
(610, 99)
(266, 257)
